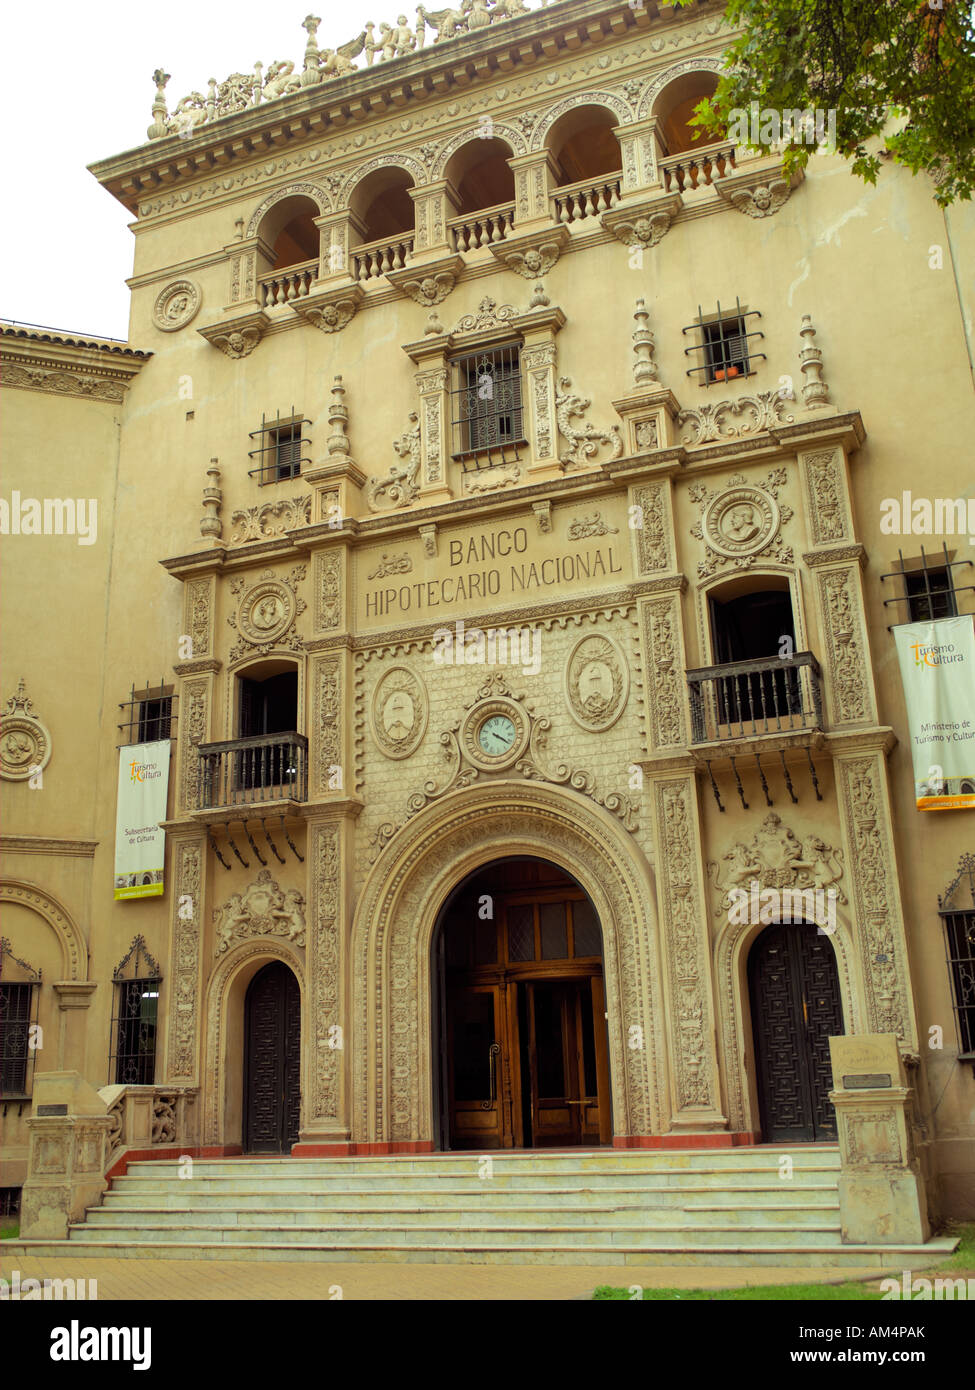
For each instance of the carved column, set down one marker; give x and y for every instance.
(639, 149)
(432, 384)
(664, 665)
(850, 695)
(184, 982)
(337, 231)
(195, 681)
(864, 801)
(651, 523)
(695, 1086)
(249, 258)
(434, 204)
(536, 175)
(539, 360)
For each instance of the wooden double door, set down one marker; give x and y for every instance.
(526, 1062)
(272, 1061)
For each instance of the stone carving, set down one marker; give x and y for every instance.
(329, 589)
(446, 24)
(428, 535)
(176, 305)
(325, 968)
(581, 528)
(193, 725)
(815, 392)
(431, 289)
(62, 383)
(328, 706)
(270, 519)
(164, 1118)
(392, 564)
(399, 712)
(331, 317)
(651, 536)
(491, 479)
(776, 858)
(843, 628)
(265, 613)
(862, 1132)
(826, 508)
(761, 200)
(535, 261)
(644, 367)
(741, 523)
(763, 411)
(646, 434)
(490, 314)
(400, 486)
(529, 754)
(236, 343)
(597, 683)
(198, 613)
(261, 910)
(184, 1008)
(690, 1006)
(25, 743)
(644, 232)
(543, 517)
(665, 696)
(583, 443)
(210, 523)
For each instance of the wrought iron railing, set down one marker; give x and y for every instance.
(241, 771)
(745, 699)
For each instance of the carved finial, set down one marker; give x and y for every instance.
(338, 418)
(644, 368)
(21, 703)
(433, 323)
(159, 113)
(312, 72)
(210, 523)
(539, 299)
(815, 392)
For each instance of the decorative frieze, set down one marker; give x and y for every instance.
(198, 615)
(270, 519)
(825, 489)
(714, 421)
(653, 548)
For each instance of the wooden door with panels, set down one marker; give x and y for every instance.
(522, 1033)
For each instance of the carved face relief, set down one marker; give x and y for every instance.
(399, 713)
(741, 521)
(176, 305)
(266, 611)
(596, 683)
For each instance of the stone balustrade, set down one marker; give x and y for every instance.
(481, 228)
(680, 173)
(294, 282)
(587, 198)
(373, 258)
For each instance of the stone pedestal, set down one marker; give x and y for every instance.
(881, 1189)
(69, 1129)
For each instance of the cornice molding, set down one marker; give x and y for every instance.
(67, 366)
(45, 844)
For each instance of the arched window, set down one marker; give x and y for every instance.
(484, 193)
(584, 145)
(381, 206)
(20, 985)
(132, 1057)
(289, 230)
(674, 108)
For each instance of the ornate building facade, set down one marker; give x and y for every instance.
(488, 511)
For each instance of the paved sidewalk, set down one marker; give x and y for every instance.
(227, 1279)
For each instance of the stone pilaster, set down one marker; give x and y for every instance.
(651, 522)
(184, 982)
(195, 706)
(249, 258)
(432, 385)
(536, 175)
(681, 904)
(850, 695)
(639, 148)
(664, 665)
(74, 999)
(434, 204)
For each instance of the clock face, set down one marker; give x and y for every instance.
(496, 735)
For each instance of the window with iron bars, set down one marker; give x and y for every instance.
(957, 912)
(929, 588)
(132, 1057)
(724, 345)
(487, 418)
(150, 715)
(19, 989)
(280, 451)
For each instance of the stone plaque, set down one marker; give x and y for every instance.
(52, 1110)
(868, 1081)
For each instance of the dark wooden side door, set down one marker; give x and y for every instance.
(272, 1061)
(561, 1063)
(478, 1097)
(795, 1004)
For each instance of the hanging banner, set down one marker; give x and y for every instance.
(937, 661)
(140, 845)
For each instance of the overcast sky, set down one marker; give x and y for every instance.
(77, 86)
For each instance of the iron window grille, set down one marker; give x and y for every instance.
(150, 715)
(487, 415)
(956, 907)
(930, 591)
(19, 990)
(724, 344)
(281, 448)
(132, 1055)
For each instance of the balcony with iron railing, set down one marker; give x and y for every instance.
(260, 770)
(774, 701)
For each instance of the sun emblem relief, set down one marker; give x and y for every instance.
(266, 613)
(741, 523)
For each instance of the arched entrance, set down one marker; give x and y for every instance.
(520, 1012)
(794, 989)
(272, 1060)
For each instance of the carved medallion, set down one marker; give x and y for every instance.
(266, 611)
(176, 305)
(25, 744)
(399, 713)
(741, 523)
(597, 683)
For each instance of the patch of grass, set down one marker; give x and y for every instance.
(9, 1227)
(962, 1262)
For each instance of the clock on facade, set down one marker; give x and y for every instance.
(496, 735)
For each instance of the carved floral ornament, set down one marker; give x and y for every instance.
(25, 743)
(263, 909)
(741, 523)
(265, 613)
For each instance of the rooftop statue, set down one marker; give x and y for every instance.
(241, 90)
